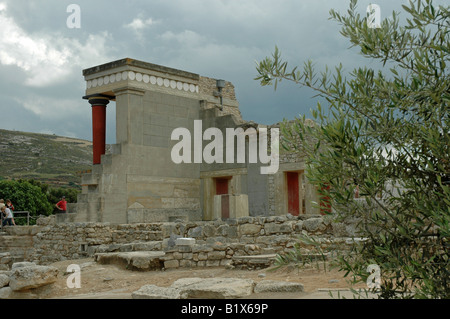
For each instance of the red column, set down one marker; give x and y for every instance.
(98, 126)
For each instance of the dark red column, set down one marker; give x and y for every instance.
(99, 104)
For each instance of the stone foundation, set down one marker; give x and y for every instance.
(216, 242)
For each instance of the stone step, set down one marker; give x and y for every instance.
(254, 261)
(16, 241)
(256, 258)
(133, 260)
(136, 246)
(20, 230)
(215, 288)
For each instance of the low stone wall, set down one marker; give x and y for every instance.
(216, 242)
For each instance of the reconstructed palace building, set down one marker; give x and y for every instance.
(138, 181)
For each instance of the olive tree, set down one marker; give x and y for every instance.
(384, 132)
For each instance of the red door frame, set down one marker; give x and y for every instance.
(221, 184)
(292, 179)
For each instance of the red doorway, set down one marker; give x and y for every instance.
(222, 186)
(222, 189)
(293, 193)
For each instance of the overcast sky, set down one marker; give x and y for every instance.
(41, 59)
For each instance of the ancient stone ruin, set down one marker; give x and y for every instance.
(141, 210)
(139, 182)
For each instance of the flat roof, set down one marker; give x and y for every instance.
(141, 64)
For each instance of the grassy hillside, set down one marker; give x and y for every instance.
(51, 159)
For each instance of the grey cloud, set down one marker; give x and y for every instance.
(210, 37)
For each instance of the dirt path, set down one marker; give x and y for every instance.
(110, 281)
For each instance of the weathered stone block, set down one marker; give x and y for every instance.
(299, 225)
(278, 286)
(195, 232)
(212, 263)
(4, 280)
(186, 263)
(213, 288)
(22, 264)
(249, 229)
(187, 256)
(201, 248)
(273, 228)
(155, 292)
(28, 277)
(216, 255)
(209, 230)
(184, 249)
(227, 231)
(5, 292)
(171, 264)
(177, 255)
(314, 224)
(185, 241)
(202, 256)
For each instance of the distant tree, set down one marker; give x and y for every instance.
(385, 132)
(25, 197)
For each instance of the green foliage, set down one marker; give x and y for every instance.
(54, 194)
(386, 132)
(306, 252)
(34, 196)
(25, 197)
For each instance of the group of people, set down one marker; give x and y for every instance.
(7, 209)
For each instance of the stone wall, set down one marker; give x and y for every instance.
(215, 242)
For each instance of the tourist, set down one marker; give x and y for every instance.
(2, 203)
(62, 205)
(8, 217)
(11, 208)
(9, 204)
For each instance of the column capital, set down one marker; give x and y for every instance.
(98, 99)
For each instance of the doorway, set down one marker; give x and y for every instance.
(295, 189)
(222, 188)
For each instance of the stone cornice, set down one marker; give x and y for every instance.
(140, 64)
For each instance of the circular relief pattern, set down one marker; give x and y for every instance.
(139, 77)
(124, 75)
(94, 83)
(131, 75)
(185, 86)
(89, 84)
(112, 78)
(106, 79)
(179, 85)
(173, 84)
(118, 77)
(166, 83)
(153, 79)
(160, 81)
(145, 78)
(100, 81)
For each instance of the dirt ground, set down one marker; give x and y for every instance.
(112, 282)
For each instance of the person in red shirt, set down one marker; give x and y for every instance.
(62, 205)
